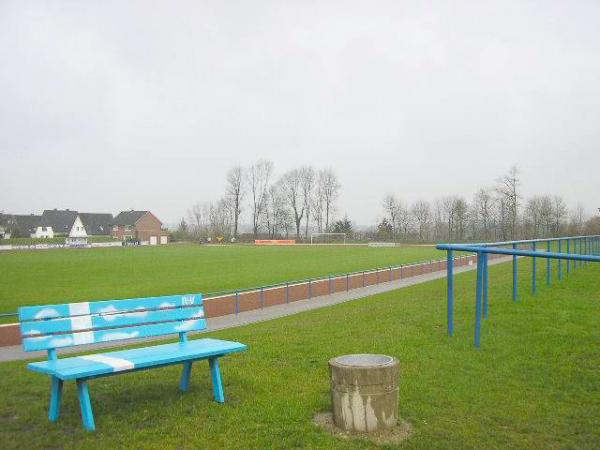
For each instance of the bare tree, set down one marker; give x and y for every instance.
(404, 219)
(318, 205)
(235, 194)
(220, 218)
(560, 214)
(307, 179)
(291, 183)
(577, 219)
(330, 188)
(532, 220)
(448, 208)
(508, 190)
(483, 208)
(258, 175)
(195, 214)
(421, 212)
(277, 213)
(461, 216)
(391, 205)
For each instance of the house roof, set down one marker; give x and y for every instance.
(129, 217)
(5, 220)
(61, 220)
(26, 224)
(96, 223)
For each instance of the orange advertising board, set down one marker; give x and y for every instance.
(274, 241)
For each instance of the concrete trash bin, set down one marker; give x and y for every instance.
(364, 392)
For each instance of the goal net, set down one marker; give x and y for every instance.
(327, 238)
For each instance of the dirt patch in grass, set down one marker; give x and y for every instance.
(394, 435)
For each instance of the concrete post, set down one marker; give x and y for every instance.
(364, 392)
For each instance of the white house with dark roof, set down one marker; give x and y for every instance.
(60, 220)
(97, 224)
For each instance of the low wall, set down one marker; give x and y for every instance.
(49, 246)
(234, 303)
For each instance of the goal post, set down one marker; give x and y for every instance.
(327, 238)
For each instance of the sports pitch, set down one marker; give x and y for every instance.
(63, 275)
(533, 385)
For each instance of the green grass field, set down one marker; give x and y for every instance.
(64, 275)
(535, 383)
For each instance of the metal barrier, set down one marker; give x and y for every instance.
(384, 274)
(585, 249)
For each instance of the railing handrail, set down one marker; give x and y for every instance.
(585, 249)
(516, 252)
(527, 241)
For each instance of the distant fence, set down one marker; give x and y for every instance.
(240, 300)
(235, 301)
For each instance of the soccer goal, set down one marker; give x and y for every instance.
(327, 238)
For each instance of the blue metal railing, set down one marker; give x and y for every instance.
(585, 249)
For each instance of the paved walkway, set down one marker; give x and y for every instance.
(258, 315)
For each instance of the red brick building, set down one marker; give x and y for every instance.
(142, 226)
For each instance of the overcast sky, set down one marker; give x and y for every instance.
(111, 105)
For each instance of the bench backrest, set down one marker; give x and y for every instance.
(54, 326)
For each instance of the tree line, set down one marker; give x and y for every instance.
(258, 204)
(297, 202)
(496, 213)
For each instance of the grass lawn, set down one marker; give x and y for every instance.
(534, 384)
(63, 275)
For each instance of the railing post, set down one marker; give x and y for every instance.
(329, 284)
(450, 280)
(347, 282)
(287, 292)
(485, 286)
(478, 300)
(390, 273)
(534, 271)
(262, 297)
(568, 252)
(363, 277)
(515, 275)
(548, 266)
(560, 260)
(237, 302)
(310, 288)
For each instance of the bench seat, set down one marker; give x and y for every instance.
(52, 327)
(102, 364)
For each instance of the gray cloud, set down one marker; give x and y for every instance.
(110, 105)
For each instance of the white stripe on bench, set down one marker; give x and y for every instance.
(81, 320)
(117, 364)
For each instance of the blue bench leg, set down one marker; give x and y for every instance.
(217, 383)
(185, 376)
(55, 396)
(87, 415)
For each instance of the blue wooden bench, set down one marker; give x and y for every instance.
(52, 327)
